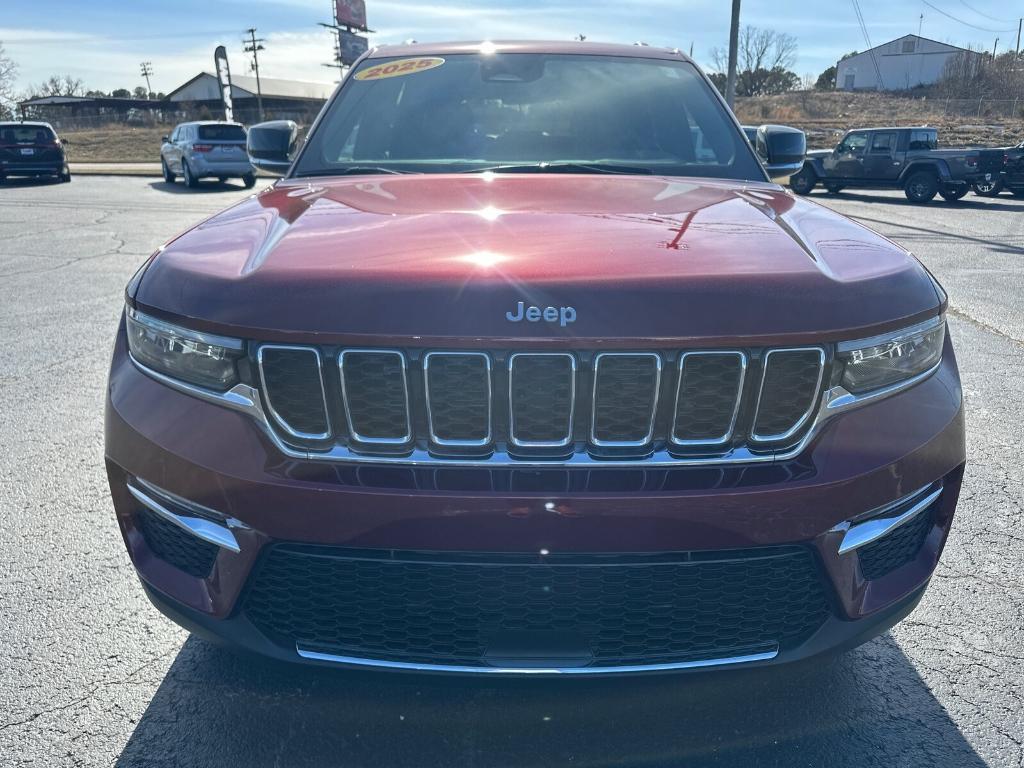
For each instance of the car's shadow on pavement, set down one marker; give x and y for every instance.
(215, 708)
(205, 187)
(29, 182)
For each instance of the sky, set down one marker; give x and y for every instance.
(103, 41)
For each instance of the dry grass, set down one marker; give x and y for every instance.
(827, 115)
(115, 144)
(823, 115)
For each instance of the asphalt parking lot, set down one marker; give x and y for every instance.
(91, 674)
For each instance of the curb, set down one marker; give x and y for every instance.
(113, 169)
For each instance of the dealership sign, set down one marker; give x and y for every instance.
(351, 47)
(220, 62)
(350, 13)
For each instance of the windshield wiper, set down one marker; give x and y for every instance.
(351, 170)
(565, 168)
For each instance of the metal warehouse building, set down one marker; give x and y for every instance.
(902, 64)
(293, 99)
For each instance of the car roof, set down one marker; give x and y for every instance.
(897, 128)
(528, 46)
(210, 122)
(29, 123)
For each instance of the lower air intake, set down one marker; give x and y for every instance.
(896, 549)
(434, 608)
(176, 546)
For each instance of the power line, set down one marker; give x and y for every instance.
(980, 13)
(961, 21)
(867, 39)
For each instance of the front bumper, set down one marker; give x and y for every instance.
(862, 460)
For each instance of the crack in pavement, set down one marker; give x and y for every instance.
(92, 692)
(981, 324)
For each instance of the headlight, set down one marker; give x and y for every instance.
(878, 362)
(197, 358)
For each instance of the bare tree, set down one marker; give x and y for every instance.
(969, 75)
(8, 71)
(759, 49)
(59, 85)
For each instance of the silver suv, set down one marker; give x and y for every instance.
(206, 149)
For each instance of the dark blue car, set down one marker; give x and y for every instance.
(32, 149)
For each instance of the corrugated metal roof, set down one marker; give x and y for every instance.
(244, 86)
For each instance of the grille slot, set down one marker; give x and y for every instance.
(790, 385)
(458, 396)
(176, 546)
(293, 386)
(542, 397)
(626, 388)
(376, 392)
(708, 396)
(897, 548)
(431, 607)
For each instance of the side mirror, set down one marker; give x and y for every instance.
(272, 145)
(165, 139)
(781, 149)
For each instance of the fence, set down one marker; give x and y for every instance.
(145, 118)
(981, 107)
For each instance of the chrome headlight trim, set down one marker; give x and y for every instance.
(206, 338)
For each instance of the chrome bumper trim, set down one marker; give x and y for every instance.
(199, 527)
(860, 534)
(246, 399)
(458, 669)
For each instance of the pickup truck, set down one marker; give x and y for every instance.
(897, 158)
(1011, 160)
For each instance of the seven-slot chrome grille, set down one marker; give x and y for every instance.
(543, 405)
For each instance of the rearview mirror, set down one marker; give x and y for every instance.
(272, 145)
(781, 149)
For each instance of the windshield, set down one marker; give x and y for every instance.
(522, 112)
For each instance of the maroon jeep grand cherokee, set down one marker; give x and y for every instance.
(527, 367)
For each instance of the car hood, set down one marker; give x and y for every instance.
(445, 258)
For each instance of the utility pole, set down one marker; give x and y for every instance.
(147, 72)
(1020, 23)
(734, 42)
(994, 49)
(920, 22)
(253, 46)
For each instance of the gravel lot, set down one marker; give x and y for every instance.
(90, 674)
